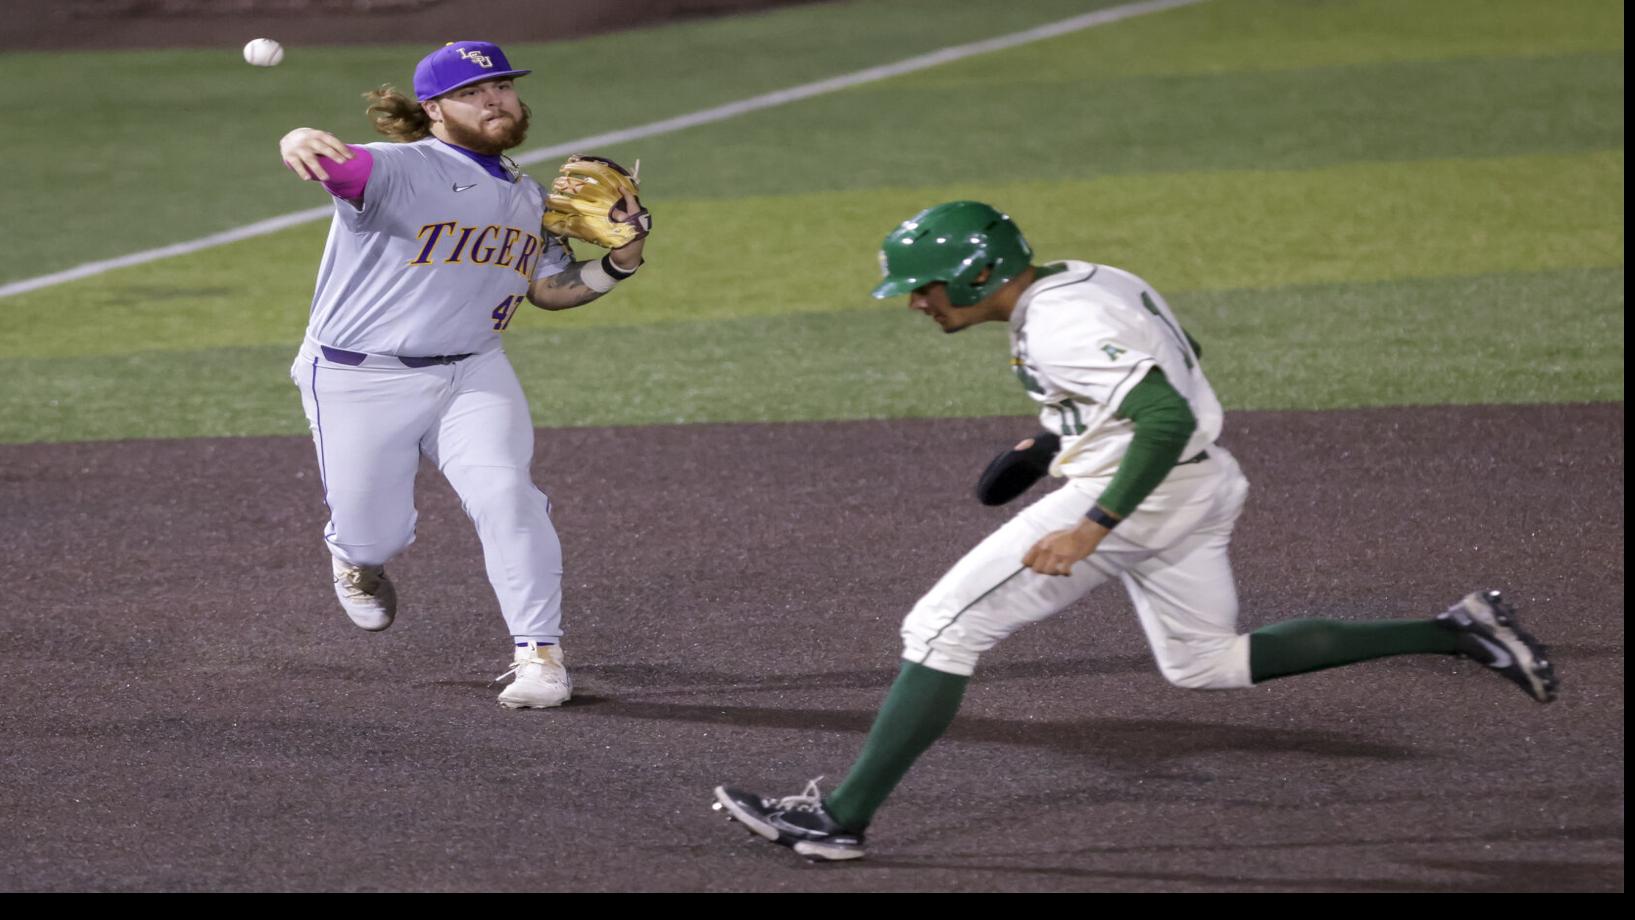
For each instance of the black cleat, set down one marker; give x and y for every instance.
(797, 821)
(1489, 634)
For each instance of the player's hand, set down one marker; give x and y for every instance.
(1058, 551)
(628, 256)
(303, 148)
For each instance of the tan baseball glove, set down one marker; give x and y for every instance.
(587, 202)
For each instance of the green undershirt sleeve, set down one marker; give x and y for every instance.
(1163, 425)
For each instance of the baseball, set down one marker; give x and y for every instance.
(264, 52)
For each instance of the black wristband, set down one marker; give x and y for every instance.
(614, 271)
(1101, 517)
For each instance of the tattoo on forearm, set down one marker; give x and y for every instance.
(566, 288)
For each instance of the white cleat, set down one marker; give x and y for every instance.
(541, 681)
(366, 594)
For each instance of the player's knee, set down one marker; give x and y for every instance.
(932, 638)
(927, 623)
(503, 498)
(1212, 666)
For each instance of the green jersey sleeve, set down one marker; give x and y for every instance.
(1163, 424)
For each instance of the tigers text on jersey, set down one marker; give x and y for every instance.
(1080, 340)
(434, 260)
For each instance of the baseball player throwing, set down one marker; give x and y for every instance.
(1150, 499)
(435, 243)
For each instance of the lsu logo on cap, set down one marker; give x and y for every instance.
(478, 58)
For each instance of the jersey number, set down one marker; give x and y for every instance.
(506, 310)
(1071, 424)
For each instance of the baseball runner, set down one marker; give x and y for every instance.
(1150, 500)
(437, 239)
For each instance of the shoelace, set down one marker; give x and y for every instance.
(810, 800)
(361, 582)
(538, 658)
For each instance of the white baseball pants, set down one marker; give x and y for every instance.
(370, 425)
(1170, 554)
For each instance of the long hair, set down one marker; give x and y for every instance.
(397, 116)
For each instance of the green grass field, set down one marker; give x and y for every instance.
(1370, 203)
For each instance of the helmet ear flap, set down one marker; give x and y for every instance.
(968, 283)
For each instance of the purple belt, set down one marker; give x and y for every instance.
(356, 358)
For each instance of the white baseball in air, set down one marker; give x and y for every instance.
(264, 52)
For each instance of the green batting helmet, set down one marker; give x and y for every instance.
(953, 243)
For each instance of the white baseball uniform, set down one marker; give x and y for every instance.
(1080, 340)
(402, 357)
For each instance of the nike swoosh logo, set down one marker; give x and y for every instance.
(460, 188)
(1501, 655)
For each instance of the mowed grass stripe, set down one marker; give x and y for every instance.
(1502, 338)
(1277, 35)
(141, 177)
(176, 144)
(1185, 232)
(896, 133)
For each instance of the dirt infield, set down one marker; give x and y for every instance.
(186, 707)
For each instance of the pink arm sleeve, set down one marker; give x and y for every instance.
(347, 180)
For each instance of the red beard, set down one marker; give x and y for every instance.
(475, 139)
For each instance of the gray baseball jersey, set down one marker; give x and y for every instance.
(434, 260)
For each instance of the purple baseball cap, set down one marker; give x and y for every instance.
(458, 64)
